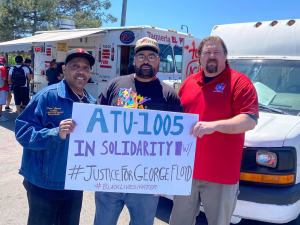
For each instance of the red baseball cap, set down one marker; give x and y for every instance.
(2, 60)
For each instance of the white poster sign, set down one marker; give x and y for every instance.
(129, 150)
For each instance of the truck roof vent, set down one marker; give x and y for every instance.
(291, 22)
(67, 24)
(273, 23)
(257, 24)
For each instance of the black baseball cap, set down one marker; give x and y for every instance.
(27, 60)
(79, 52)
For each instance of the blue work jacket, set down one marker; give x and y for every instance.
(45, 154)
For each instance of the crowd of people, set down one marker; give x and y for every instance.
(224, 99)
(17, 79)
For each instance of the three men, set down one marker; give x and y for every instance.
(19, 76)
(127, 91)
(42, 129)
(225, 99)
(227, 104)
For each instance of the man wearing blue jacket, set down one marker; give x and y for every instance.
(42, 129)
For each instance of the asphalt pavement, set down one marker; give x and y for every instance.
(13, 200)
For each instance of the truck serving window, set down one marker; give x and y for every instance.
(277, 81)
(166, 59)
(178, 58)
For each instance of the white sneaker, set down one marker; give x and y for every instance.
(2, 118)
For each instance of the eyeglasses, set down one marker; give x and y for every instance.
(150, 58)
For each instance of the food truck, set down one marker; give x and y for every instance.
(113, 49)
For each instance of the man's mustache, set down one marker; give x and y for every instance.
(79, 76)
(145, 65)
(212, 60)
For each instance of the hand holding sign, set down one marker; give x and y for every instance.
(201, 128)
(66, 127)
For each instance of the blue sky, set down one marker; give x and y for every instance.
(201, 16)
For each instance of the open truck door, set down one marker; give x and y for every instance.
(190, 57)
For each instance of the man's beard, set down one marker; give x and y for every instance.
(212, 68)
(145, 74)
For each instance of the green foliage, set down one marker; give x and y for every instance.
(21, 18)
(85, 13)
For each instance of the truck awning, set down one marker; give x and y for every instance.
(24, 44)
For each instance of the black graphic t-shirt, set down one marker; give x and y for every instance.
(126, 91)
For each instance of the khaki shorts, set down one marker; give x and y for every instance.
(219, 201)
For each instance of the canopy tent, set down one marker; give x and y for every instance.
(24, 44)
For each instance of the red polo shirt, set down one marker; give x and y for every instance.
(218, 155)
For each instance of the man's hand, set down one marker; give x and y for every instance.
(66, 127)
(160, 195)
(201, 128)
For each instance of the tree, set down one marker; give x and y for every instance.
(85, 13)
(21, 18)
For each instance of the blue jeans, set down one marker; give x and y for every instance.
(142, 208)
(53, 212)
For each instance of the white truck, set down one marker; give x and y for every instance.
(111, 47)
(269, 54)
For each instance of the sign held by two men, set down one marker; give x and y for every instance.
(130, 150)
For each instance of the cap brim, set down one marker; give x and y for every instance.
(144, 46)
(87, 56)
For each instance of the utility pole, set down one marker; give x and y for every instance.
(123, 19)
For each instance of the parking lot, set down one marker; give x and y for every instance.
(13, 200)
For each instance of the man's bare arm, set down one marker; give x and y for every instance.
(236, 125)
(9, 79)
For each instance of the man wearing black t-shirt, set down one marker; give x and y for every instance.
(144, 91)
(43, 130)
(52, 74)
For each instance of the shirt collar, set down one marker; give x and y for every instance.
(63, 91)
(224, 74)
(154, 78)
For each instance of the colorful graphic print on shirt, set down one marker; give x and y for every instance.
(130, 99)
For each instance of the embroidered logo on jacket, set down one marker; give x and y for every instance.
(54, 111)
(130, 99)
(220, 88)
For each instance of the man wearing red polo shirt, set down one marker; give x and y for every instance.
(227, 104)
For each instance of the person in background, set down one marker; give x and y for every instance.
(4, 87)
(27, 63)
(9, 97)
(19, 76)
(227, 104)
(43, 130)
(52, 74)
